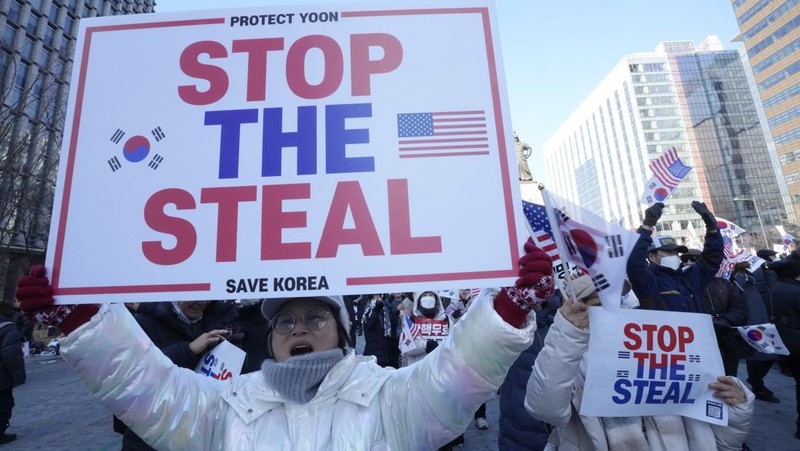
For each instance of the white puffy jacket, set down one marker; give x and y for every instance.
(555, 389)
(359, 406)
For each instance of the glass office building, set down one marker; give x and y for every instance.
(769, 30)
(696, 99)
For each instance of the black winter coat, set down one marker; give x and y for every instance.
(785, 306)
(519, 431)
(660, 288)
(251, 329)
(724, 303)
(748, 285)
(385, 349)
(172, 337)
(13, 363)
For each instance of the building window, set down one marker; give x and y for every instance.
(27, 48)
(69, 23)
(49, 33)
(53, 16)
(22, 71)
(41, 57)
(33, 20)
(14, 11)
(8, 35)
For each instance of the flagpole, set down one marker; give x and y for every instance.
(556, 232)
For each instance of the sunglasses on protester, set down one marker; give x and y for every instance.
(689, 259)
(314, 319)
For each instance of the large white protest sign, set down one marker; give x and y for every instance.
(644, 362)
(284, 151)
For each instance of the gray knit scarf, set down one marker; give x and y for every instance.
(298, 378)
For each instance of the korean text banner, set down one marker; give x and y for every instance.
(644, 362)
(286, 151)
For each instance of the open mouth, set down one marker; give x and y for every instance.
(301, 350)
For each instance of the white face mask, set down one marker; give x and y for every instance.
(427, 302)
(671, 262)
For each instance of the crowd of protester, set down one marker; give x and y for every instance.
(427, 366)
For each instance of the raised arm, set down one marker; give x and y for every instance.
(169, 407)
(433, 400)
(644, 284)
(549, 393)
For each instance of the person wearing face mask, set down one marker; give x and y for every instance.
(654, 265)
(689, 258)
(429, 315)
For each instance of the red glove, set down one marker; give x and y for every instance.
(534, 285)
(36, 299)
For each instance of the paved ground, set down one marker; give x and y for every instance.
(54, 411)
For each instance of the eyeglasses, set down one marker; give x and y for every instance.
(314, 319)
(692, 259)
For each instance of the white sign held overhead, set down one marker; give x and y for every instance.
(286, 151)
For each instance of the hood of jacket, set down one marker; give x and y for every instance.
(439, 305)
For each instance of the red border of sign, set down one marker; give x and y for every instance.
(351, 281)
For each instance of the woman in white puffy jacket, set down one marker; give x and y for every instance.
(313, 393)
(555, 389)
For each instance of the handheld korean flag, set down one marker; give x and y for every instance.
(691, 238)
(587, 240)
(668, 171)
(786, 238)
(728, 228)
(764, 338)
(408, 335)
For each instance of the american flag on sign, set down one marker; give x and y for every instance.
(669, 169)
(543, 235)
(442, 134)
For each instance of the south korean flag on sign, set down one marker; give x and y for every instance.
(598, 247)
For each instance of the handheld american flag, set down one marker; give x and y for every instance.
(540, 226)
(668, 171)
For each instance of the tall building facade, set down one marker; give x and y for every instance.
(696, 99)
(770, 30)
(36, 48)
